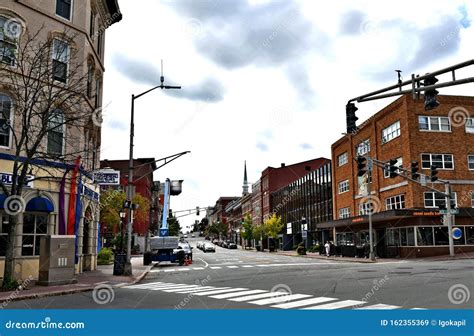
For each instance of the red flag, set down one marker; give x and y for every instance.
(71, 214)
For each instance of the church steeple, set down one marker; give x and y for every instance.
(245, 187)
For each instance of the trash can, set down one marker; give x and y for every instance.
(119, 263)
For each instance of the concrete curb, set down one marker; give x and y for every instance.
(72, 290)
(356, 260)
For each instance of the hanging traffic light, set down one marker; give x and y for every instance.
(433, 173)
(414, 170)
(361, 165)
(430, 95)
(351, 118)
(197, 211)
(393, 168)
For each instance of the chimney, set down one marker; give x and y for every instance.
(282, 165)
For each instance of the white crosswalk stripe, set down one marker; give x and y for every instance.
(232, 266)
(247, 266)
(282, 298)
(262, 297)
(302, 303)
(198, 268)
(338, 305)
(215, 267)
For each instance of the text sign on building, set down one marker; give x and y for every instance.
(7, 179)
(288, 228)
(107, 177)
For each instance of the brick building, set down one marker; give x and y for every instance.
(406, 218)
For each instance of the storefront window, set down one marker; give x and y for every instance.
(441, 236)
(469, 230)
(424, 235)
(345, 238)
(4, 228)
(403, 237)
(410, 236)
(34, 226)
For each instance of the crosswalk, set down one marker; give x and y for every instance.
(261, 297)
(227, 267)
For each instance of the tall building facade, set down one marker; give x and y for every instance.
(76, 30)
(406, 217)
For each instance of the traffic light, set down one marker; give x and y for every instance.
(197, 211)
(414, 170)
(430, 95)
(393, 168)
(361, 165)
(433, 173)
(351, 118)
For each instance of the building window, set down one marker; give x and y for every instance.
(60, 60)
(4, 229)
(342, 159)
(34, 227)
(366, 208)
(470, 125)
(391, 132)
(5, 117)
(364, 147)
(437, 200)
(469, 235)
(8, 44)
(343, 186)
(441, 236)
(98, 92)
(441, 161)
(386, 169)
(470, 162)
(56, 133)
(92, 24)
(344, 213)
(90, 78)
(472, 199)
(395, 202)
(99, 44)
(424, 235)
(64, 8)
(437, 124)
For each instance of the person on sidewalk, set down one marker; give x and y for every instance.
(327, 247)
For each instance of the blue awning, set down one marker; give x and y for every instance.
(2, 201)
(40, 204)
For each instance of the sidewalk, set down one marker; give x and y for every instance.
(311, 255)
(86, 281)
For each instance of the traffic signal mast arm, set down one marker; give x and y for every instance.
(190, 212)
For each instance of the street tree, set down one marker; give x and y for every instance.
(273, 227)
(258, 232)
(173, 226)
(247, 230)
(44, 116)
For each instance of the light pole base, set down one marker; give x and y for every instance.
(127, 270)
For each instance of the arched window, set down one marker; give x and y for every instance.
(90, 79)
(56, 133)
(5, 117)
(10, 31)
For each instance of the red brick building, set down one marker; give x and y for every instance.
(406, 218)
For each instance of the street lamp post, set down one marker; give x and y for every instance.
(123, 214)
(130, 191)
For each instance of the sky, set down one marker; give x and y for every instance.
(262, 81)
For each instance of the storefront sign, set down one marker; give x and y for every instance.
(357, 220)
(107, 177)
(457, 233)
(289, 229)
(7, 179)
(426, 213)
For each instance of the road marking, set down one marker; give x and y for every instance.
(198, 268)
(181, 289)
(229, 295)
(264, 265)
(170, 270)
(204, 262)
(200, 289)
(183, 269)
(247, 266)
(222, 290)
(337, 305)
(302, 303)
(232, 266)
(167, 287)
(215, 267)
(380, 306)
(255, 297)
(282, 298)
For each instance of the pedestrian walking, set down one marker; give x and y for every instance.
(327, 247)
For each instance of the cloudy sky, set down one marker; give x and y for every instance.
(262, 81)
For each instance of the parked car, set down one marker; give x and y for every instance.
(193, 236)
(208, 247)
(215, 241)
(232, 245)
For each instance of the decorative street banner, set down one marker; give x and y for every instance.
(7, 179)
(107, 177)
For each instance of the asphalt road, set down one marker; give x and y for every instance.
(237, 279)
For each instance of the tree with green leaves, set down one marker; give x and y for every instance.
(258, 232)
(247, 230)
(173, 226)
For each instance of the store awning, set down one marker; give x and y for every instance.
(40, 204)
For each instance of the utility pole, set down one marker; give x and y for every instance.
(370, 165)
(449, 216)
